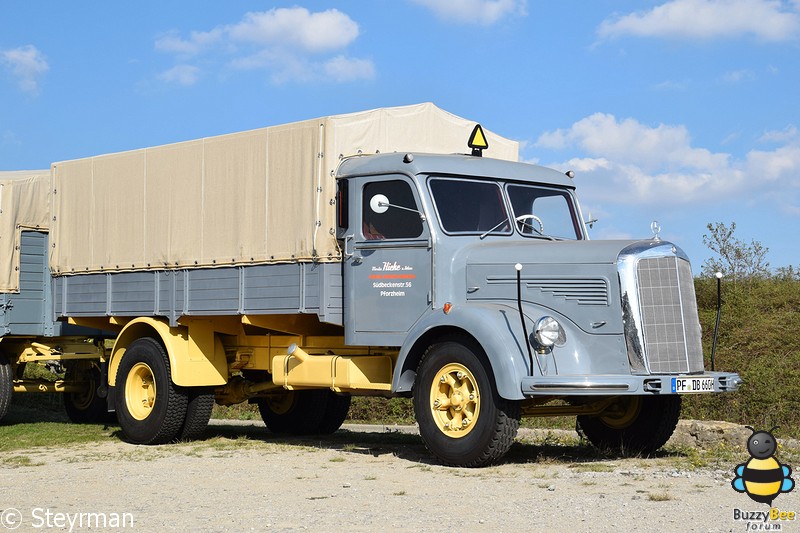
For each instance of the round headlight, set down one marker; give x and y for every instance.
(548, 332)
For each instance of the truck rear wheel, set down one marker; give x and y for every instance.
(86, 407)
(6, 385)
(335, 413)
(462, 418)
(198, 413)
(295, 412)
(635, 425)
(150, 408)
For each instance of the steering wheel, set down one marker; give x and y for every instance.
(523, 221)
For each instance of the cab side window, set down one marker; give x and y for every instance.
(395, 221)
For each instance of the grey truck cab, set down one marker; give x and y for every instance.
(483, 272)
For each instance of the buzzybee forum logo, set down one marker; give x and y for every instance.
(762, 477)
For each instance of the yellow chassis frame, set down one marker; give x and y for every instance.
(209, 351)
(296, 350)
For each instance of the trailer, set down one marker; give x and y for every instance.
(296, 266)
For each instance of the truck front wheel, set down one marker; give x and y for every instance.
(151, 409)
(634, 425)
(461, 417)
(6, 385)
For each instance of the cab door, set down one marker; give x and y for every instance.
(387, 265)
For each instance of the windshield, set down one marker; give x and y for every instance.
(543, 211)
(470, 207)
(478, 207)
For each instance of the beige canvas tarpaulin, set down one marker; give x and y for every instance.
(260, 196)
(24, 204)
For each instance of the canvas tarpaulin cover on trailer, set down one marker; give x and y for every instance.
(24, 204)
(260, 196)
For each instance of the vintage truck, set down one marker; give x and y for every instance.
(295, 266)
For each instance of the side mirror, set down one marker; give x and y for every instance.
(379, 204)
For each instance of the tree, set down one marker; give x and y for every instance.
(789, 273)
(736, 259)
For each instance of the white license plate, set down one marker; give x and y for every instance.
(692, 385)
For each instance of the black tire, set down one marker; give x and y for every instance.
(335, 413)
(299, 412)
(151, 409)
(471, 425)
(639, 426)
(86, 407)
(6, 385)
(198, 413)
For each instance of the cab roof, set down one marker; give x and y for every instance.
(461, 165)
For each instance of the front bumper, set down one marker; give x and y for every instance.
(620, 385)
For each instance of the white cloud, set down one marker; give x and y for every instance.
(291, 44)
(738, 76)
(289, 68)
(343, 69)
(27, 64)
(788, 134)
(672, 85)
(769, 20)
(602, 134)
(296, 27)
(181, 74)
(197, 42)
(484, 12)
(779, 165)
(627, 162)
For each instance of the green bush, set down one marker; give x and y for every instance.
(758, 339)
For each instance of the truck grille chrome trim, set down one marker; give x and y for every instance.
(662, 329)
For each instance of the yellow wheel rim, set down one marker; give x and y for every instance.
(280, 404)
(140, 391)
(455, 400)
(623, 413)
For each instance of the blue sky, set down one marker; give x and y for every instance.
(685, 111)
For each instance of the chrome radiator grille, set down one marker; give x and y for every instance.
(668, 316)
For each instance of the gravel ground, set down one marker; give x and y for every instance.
(364, 478)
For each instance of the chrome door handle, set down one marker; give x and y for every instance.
(348, 239)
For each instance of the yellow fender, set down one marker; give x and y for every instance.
(196, 354)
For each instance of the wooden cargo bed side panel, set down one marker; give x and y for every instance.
(278, 287)
(212, 291)
(258, 289)
(132, 293)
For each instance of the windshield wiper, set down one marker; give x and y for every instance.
(495, 227)
(523, 219)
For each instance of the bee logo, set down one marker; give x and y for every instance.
(762, 477)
